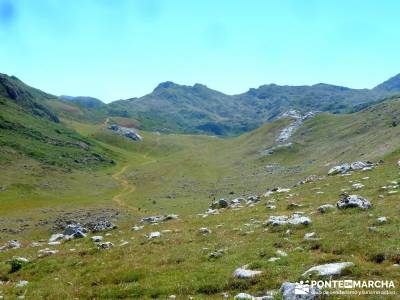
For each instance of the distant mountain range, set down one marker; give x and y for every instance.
(198, 109)
(175, 108)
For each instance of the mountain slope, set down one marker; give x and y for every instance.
(391, 85)
(29, 128)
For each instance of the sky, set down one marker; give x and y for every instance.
(118, 49)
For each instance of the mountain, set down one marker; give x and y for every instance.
(391, 85)
(198, 109)
(88, 102)
(187, 109)
(29, 128)
(25, 96)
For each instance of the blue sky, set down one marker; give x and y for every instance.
(114, 49)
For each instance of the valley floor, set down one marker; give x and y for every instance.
(175, 174)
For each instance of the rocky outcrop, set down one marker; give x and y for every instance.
(126, 132)
(353, 201)
(354, 166)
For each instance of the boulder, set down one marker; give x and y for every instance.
(357, 186)
(295, 219)
(244, 273)
(353, 201)
(244, 296)
(96, 238)
(341, 169)
(154, 235)
(47, 251)
(152, 219)
(13, 244)
(158, 219)
(310, 236)
(105, 245)
(22, 283)
(75, 231)
(221, 203)
(329, 269)
(204, 230)
(56, 237)
(359, 165)
(137, 228)
(381, 220)
(299, 291)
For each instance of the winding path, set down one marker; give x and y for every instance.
(127, 189)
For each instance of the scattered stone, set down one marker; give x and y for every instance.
(137, 228)
(351, 201)
(96, 238)
(221, 203)
(216, 254)
(326, 207)
(360, 165)
(299, 291)
(204, 230)
(381, 220)
(253, 200)
(244, 296)
(341, 169)
(244, 273)
(54, 243)
(56, 237)
(158, 219)
(74, 231)
(105, 245)
(47, 251)
(273, 259)
(13, 244)
(22, 283)
(123, 243)
(329, 269)
(310, 236)
(281, 253)
(296, 219)
(372, 229)
(357, 186)
(154, 235)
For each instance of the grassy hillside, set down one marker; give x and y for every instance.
(29, 127)
(170, 173)
(178, 263)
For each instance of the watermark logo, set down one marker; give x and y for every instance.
(345, 287)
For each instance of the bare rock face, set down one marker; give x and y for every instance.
(353, 201)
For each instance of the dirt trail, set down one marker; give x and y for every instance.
(127, 189)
